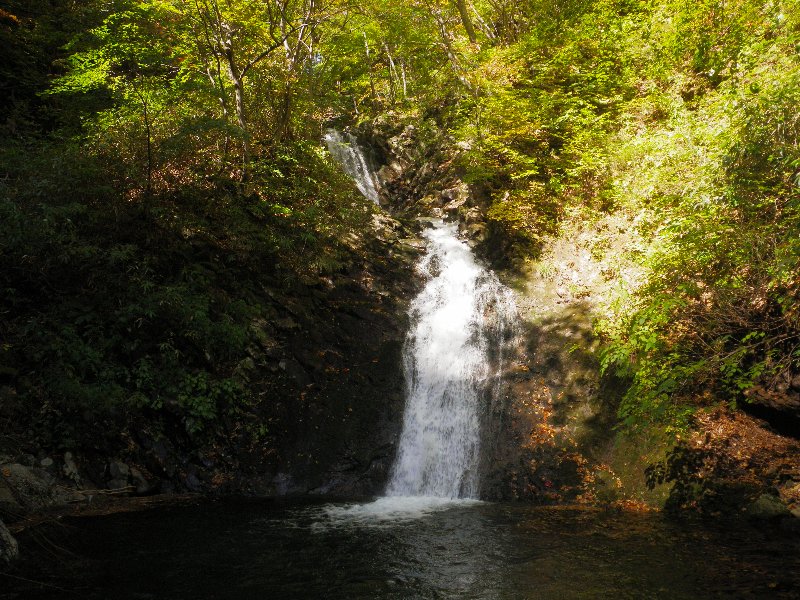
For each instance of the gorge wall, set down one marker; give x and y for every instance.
(325, 366)
(551, 429)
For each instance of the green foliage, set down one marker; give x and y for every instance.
(526, 215)
(160, 155)
(541, 111)
(717, 186)
(112, 313)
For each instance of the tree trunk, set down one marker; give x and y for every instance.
(454, 62)
(392, 73)
(464, 12)
(148, 130)
(237, 81)
(369, 71)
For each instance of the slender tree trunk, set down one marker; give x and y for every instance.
(284, 113)
(235, 75)
(451, 55)
(223, 103)
(392, 73)
(148, 129)
(209, 50)
(465, 20)
(149, 151)
(486, 28)
(369, 70)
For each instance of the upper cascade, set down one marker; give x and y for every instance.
(345, 150)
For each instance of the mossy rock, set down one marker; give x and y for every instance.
(766, 508)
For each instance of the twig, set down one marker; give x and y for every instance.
(114, 492)
(50, 585)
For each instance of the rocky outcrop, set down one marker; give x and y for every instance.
(415, 162)
(328, 368)
(25, 489)
(732, 464)
(785, 398)
(777, 401)
(325, 399)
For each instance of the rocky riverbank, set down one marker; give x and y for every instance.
(8, 546)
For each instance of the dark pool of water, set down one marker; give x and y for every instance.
(267, 550)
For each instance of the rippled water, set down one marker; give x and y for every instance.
(400, 548)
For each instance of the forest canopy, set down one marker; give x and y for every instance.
(141, 135)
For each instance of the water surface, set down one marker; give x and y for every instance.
(399, 548)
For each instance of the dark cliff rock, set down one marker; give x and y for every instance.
(326, 381)
(325, 398)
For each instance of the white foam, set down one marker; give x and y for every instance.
(388, 510)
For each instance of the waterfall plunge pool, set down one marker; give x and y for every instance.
(398, 548)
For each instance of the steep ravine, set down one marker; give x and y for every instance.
(326, 366)
(551, 432)
(548, 426)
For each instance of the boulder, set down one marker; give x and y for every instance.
(455, 197)
(143, 486)
(9, 505)
(70, 468)
(8, 546)
(33, 488)
(119, 471)
(767, 507)
(390, 173)
(782, 399)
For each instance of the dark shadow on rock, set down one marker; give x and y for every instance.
(553, 415)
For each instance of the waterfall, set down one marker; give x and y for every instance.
(458, 320)
(345, 150)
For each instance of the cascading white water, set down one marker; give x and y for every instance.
(345, 150)
(462, 310)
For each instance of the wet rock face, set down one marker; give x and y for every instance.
(549, 421)
(420, 177)
(326, 380)
(335, 429)
(328, 374)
